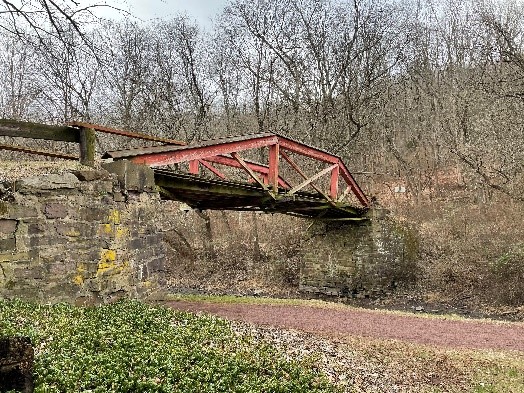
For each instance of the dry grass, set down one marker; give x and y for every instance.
(472, 252)
(243, 251)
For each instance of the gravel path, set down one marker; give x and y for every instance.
(333, 322)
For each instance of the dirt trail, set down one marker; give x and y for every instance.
(336, 322)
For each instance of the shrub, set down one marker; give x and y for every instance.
(507, 275)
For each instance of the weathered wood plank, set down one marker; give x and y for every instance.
(87, 146)
(23, 129)
(130, 134)
(246, 167)
(311, 179)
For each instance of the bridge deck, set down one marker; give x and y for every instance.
(218, 194)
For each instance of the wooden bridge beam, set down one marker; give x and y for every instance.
(24, 129)
(194, 167)
(311, 179)
(256, 167)
(301, 173)
(246, 167)
(87, 146)
(212, 169)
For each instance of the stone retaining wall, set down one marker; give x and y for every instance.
(79, 237)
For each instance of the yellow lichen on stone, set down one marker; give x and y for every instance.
(78, 279)
(114, 217)
(121, 232)
(106, 228)
(109, 255)
(107, 261)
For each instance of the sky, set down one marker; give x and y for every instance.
(200, 10)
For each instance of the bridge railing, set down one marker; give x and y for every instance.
(84, 134)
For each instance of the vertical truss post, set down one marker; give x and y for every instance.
(194, 167)
(273, 166)
(333, 189)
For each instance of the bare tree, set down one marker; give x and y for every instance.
(178, 91)
(127, 71)
(69, 75)
(19, 87)
(37, 20)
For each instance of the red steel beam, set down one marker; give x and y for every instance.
(303, 174)
(194, 167)
(255, 167)
(307, 151)
(333, 188)
(214, 151)
(320, 155)
(350, 181)
(246, 167)
(189, 153)
(212, 169)
(310, 180)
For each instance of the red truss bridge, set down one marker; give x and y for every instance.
(220, 174)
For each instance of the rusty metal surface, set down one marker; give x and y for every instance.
(255, 166)
(194, 153)
(38, 152)
(223, 151)
(129, 134)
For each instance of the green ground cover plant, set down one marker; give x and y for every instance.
(132, 347)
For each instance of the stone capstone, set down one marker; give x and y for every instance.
(91, 175)
(132, 177)
(47, 182)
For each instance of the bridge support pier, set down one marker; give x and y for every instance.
(358, 259)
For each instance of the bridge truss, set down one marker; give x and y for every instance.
(266, 188)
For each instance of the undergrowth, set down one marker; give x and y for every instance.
(132, 347)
